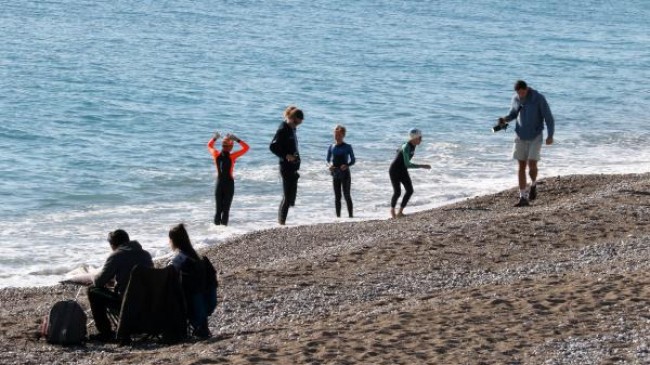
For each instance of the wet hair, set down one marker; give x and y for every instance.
(118, 237)
(181, 241)
(292, 112)
(520, 84)
(341, 128)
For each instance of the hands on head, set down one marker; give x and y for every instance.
(232, 136)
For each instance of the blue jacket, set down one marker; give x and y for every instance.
(533, 112)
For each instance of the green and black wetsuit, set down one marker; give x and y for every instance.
(399, 174)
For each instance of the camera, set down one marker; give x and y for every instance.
(499, 126)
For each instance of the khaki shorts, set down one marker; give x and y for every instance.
(527, 150)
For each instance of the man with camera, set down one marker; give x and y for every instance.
(531, 110)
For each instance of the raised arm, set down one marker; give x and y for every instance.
(211, 149)
(243, 150)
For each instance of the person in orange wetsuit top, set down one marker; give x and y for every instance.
(224, 160)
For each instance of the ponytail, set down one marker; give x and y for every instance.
(288, 110)
(181, 241)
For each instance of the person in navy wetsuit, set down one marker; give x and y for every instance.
(340, 157)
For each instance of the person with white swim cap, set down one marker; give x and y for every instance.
(399, 174)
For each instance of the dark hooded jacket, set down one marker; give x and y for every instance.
(119, 264)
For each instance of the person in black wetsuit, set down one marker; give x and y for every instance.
(285, 146)
(341, 156)
(225, 163)
(399, 174)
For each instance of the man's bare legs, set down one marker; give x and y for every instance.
(524, 194)
(532, 172)
(522, 175)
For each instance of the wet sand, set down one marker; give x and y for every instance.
(476, 282)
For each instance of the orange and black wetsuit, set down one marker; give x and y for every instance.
(225, 163)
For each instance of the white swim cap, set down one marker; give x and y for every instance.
(414, 133)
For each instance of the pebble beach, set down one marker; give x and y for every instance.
(563, 281)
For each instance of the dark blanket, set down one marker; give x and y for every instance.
(153, 304)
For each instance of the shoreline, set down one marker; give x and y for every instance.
(62, 273)
(562, 281)
(66, 273)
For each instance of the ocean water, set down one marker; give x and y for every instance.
(106, 108)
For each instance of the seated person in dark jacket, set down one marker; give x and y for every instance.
(199, 290)
(126, 254)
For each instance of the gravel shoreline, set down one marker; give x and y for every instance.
(561, 282)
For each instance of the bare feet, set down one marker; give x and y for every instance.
(392, 213)
(400, 214)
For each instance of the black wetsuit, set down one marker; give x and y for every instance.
(399, 174)
(225, 189)
(285, 143)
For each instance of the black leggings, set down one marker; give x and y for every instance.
(342, 181)
(398, 178)
(290, 190)
(101, 301)
(223, 193)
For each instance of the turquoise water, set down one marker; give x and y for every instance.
(107, 107)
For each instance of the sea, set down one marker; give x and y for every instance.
(106, 108)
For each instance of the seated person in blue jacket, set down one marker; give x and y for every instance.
(125, 255)
(200, 292)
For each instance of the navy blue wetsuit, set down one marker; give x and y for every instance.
(341, 154)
